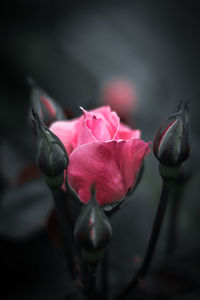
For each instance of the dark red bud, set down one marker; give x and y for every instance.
(93, 230)
(47, 109)
(171, 144)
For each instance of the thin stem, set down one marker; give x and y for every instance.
(105, 275)
(64, 230)
(156, 229)
(173, 219)
(72, 193)
(92, 273)
(152, 241)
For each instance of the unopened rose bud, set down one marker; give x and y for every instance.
(47, 109)
(51, 158)
(171, 144)
(93, 232)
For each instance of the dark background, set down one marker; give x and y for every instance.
(72, 48)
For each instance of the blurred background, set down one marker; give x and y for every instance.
(73, 49)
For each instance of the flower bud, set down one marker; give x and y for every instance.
(47, 109)
(93, 231)
(51, 158)
(171, 145)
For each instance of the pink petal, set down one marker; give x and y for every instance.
(93, 129)
(110, 118)
(65, 131)
(130, 156)
(95, 163)
(111, 166)
(103, 110)
(99, 129)
(84, 134)
(126, 133)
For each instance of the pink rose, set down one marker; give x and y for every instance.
(121, 96)
(102, 151)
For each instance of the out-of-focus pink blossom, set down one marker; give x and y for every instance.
(121, 96)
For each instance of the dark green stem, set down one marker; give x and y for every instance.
(173, 218)
(152, 242)
(64, 229)
(105, 276)
(156, 229)
(92, 273)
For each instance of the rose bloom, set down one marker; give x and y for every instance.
(121, 96)
(102, 152)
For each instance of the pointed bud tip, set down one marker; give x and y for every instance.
(52, 158)
(180, 106)
(93, 230)
(46, 107)
(35, 114)
(31, 81)
(187, 105)
(171, 144)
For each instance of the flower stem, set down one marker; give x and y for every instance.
(64, 230)
(152, 242)
(156, 229)
(173, 219)
(105, 275)
(92, 273)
